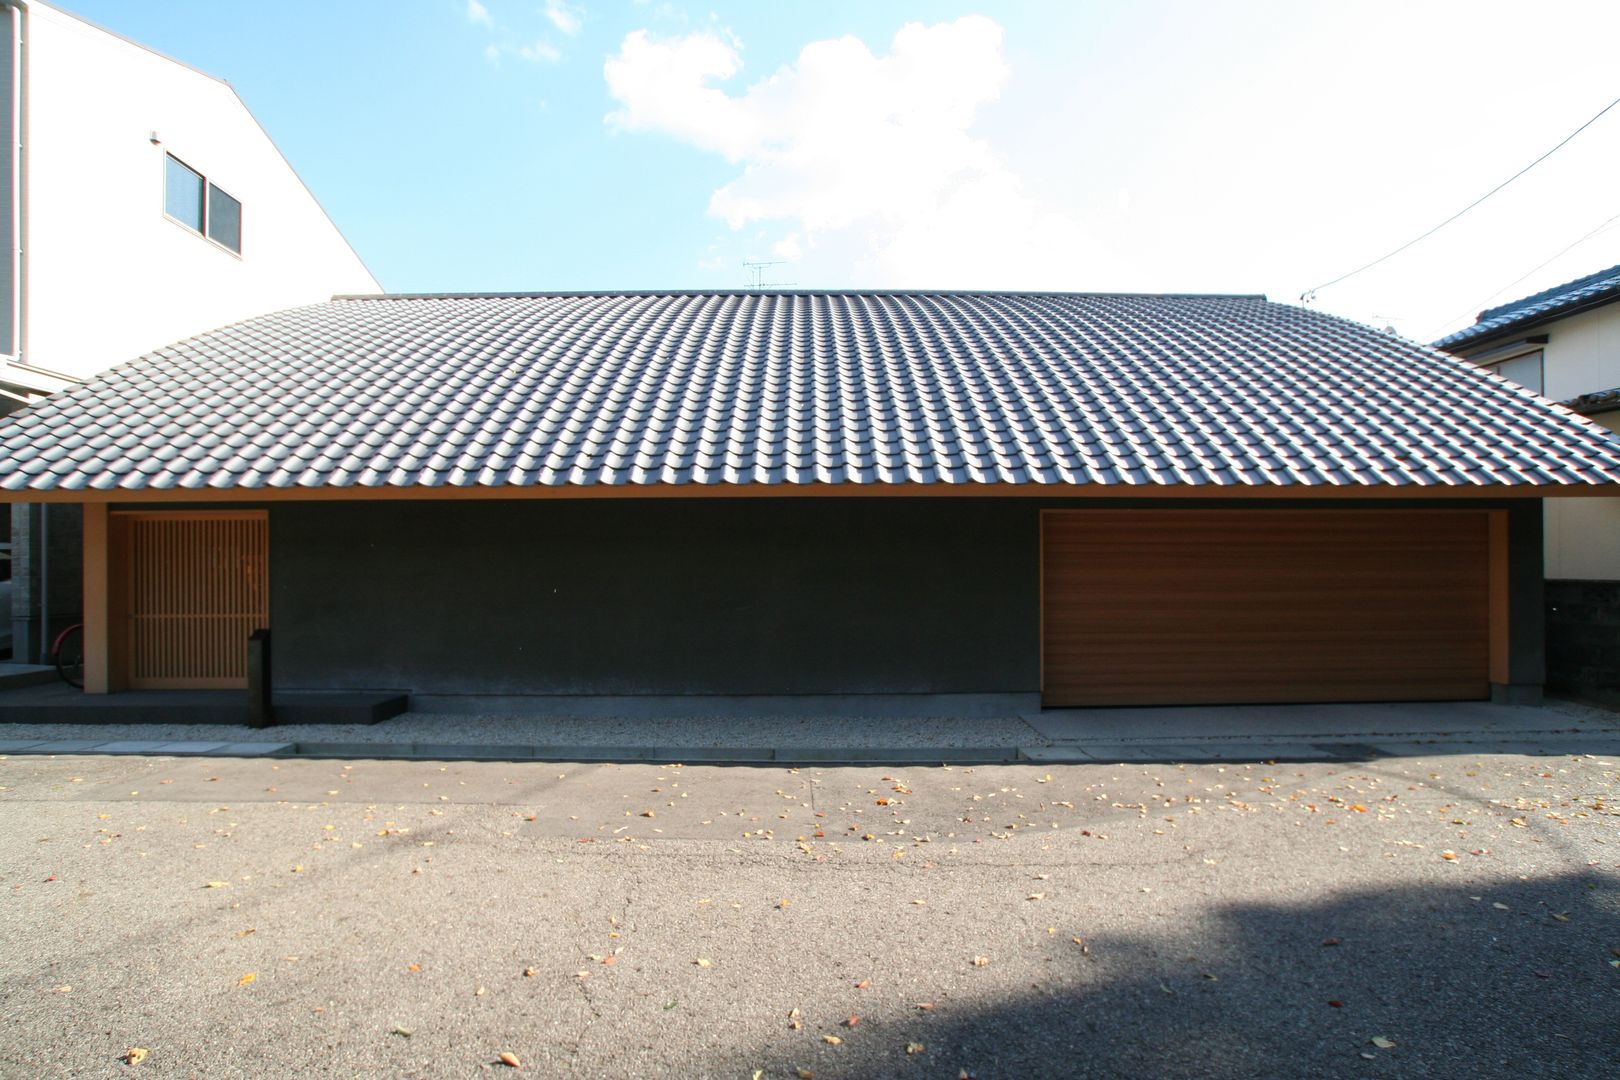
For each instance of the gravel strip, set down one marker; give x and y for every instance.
(799, 733)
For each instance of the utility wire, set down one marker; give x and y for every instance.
(1310, 294)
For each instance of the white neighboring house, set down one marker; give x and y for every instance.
(147, 186)
(1564, 343)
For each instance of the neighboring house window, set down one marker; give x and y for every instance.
(191, 200)
(1524, 370)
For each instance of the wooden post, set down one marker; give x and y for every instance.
(97, 582)
(1500, 604)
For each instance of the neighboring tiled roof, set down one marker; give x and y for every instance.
(1598, 401)
(1593, 289)
(797, 388)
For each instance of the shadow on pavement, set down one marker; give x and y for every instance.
(1467, 981)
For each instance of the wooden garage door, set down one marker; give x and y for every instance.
(1170, 607)
(197, 588)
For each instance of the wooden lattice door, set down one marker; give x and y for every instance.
(198, 586)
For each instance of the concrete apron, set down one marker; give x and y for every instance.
(1225, 733)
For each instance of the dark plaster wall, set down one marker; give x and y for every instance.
(1583, 639)
(710, 596)
(33, 529)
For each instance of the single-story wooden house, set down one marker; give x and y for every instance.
(1049, 498)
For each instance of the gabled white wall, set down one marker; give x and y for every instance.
(1583, 357)
(1583, 353)
(108, 276)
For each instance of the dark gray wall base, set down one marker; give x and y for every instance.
(1516, 694)
(664, 707)
(1583, 638)
(54, 705)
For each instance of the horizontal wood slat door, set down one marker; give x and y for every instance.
(198, 586)
(1186, 607)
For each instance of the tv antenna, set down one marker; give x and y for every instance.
(756, 273)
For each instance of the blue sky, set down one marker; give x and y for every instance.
(468, 145)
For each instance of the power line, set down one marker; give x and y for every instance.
(1310, 294)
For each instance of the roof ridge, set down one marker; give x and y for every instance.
(562, 293)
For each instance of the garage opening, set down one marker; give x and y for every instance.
(1192, 607)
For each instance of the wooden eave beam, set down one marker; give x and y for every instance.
(150, 496)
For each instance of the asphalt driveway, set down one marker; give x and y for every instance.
(1411, 917)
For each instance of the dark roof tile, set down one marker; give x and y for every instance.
(795, 388)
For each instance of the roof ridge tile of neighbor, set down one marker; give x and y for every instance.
(1600, 287)
(853, 387)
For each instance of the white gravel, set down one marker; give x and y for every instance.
(797, 733)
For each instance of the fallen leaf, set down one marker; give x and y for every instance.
(1335, 1004)
(509, 1059)
(782, 903)
(1449, 856)
(914, 1048)
(244, 980)
(831, 1040)
(528, 973)
(863, 984)
(804, 1074)
(648, 813)
(609, 960)
(1383, 1043)
(981, 961)
(402, 1031)
(925, 1006)
(702, 963)
(1499, 906)
(413, 967)
(1561, 917)
(135, 1055)
(852, 1021)
(1330, 941)
(1036, 896)
(217, 885)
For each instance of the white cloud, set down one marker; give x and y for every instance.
(867, 163)
(541, 52)
(478, 13)
(567, 18)
(492, 53)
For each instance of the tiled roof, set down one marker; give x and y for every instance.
(797, 388)
(1601, 287)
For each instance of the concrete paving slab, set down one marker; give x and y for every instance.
(66, 746)
(129, 746)
(253, 749)
(12, 746)
(193, 747)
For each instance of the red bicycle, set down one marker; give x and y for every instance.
(67, 653)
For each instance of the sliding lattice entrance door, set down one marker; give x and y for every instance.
(198, 586)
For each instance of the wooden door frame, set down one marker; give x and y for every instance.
(108, 573)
